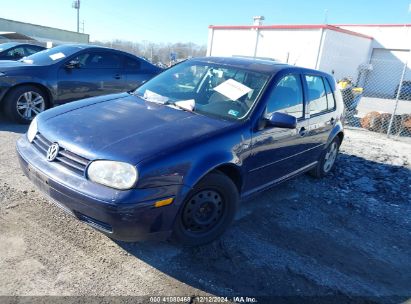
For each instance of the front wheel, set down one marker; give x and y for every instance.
(23, 103)
(327, 159)
(208, 210)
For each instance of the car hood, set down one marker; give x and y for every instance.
(123, 127)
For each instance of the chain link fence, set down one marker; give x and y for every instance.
(377, 95)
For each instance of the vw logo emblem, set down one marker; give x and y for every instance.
(52, 152)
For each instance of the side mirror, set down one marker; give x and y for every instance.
(282, 120)
(73, 64)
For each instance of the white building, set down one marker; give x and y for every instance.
(373, 55)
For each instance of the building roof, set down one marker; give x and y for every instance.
(14, 36)
(291, 26)
(376, 25)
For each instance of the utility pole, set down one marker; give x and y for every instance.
(76, 5)
(326, 16)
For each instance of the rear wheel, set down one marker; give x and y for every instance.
(208, 210)
(327, 159)
(23, 103)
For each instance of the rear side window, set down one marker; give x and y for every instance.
(99, 60)
(330, 95)
(30, 50)
(316, 95)
(132, 64)
(287, 97)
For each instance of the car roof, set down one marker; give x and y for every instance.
(261, 65)
(93, 46)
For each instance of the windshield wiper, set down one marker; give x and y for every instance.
(166, 103)
(134, 93)
(172, 103)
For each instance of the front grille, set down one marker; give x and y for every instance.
(65, 157)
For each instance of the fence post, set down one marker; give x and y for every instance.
(397, 97)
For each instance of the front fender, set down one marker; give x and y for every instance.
(208, 164)
(187, 164)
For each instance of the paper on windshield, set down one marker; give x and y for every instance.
(186, 104)
(232, 89)
(154, 97)
(57, 56)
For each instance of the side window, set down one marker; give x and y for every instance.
(16, 52)
(131, 64)
(330, 95)
(287, 97)
(316, 94)
(30, 50)
(98, 60)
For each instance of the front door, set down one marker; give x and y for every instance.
(277, 152)
(97, 73)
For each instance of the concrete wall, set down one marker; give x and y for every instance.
(390, 50)
(387, 37)
(293, 46)
(299, 47)
(43, 33)
(342, 53)
(229, 42)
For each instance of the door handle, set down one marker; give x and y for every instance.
(332, 121)
(303, 131)
(117, 76)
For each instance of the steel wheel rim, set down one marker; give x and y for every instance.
(203, 212)
(330, 157)
(29, 104)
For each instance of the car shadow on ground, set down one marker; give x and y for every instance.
(336, 239)
(7, 125)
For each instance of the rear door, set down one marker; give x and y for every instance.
(321, 107)
(98, 73)
(278, 152)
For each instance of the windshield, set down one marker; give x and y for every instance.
(210, 89)
(50, 56)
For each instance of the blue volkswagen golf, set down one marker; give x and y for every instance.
(175, 157)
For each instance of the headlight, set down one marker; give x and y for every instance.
(113, 174)
(32, 131)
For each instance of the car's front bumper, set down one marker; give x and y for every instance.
(124, 215)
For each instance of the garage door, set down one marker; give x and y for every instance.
(386, 73)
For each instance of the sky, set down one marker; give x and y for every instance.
(188, 20)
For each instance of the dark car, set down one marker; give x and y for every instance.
(174, 157)
(66, 73)
(405, 93)
(16, 51)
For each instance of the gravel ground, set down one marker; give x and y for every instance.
(347, 236)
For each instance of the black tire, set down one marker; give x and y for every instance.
(321, 169)
(38, 103)
(220, 200)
